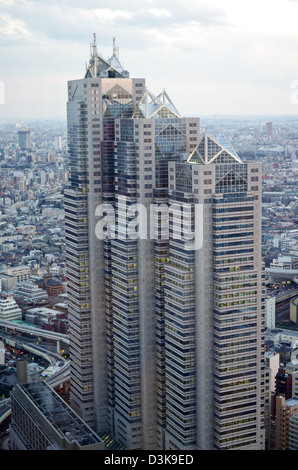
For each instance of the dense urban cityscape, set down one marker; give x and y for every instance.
(34, 173)
(125, 339)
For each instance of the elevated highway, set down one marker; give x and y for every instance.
(21, 343)
(39, 332)
(281, 274)
(283, 297)
(58, 378)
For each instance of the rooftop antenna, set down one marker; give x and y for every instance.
(115, 49)
(94, 47)
(94, 55)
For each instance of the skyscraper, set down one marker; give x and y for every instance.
(144, 144)
(214, 306)
(165, 324)
(105, 93)
(24, 139)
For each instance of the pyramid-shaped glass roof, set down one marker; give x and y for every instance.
(222, 140)
(214, 150)
(160, 106)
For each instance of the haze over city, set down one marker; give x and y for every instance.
(237, 57)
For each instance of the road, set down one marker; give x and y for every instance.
(62, 376)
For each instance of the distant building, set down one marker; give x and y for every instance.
(269, 129)
(293, 432)
(8, 380)
(30, 292)
(47, 319)
(2, 353)
(295, 384)
(54, 288)
(267, 407)
(34, 372)
(8, 282)
(24, 139)
(282, 262)
(22, 273)
(270, 312)
(283, 336)
(41, 420)
(284, 410)
(292, 367)
(283, 384)
(22, 370)
(283, 388)
(58, 142)
(9, 310)
(283, 268)
(294, 310)
(272, 361)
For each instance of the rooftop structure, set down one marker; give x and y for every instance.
(155, 107)
(214, 150)
(99, 67)
(41, 420)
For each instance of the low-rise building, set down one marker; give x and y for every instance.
(22, 273)
(47, 319)
(42, 420)
(9, 310)
(30, 292)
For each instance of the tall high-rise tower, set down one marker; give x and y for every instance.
(144, 145)
(94, 102)
(166, 332)
(214, 305)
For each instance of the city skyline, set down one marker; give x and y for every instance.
(167, 344)
(238, 58)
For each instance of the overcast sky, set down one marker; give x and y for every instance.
(211, 56)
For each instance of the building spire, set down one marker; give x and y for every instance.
(94, 46)
(115, 49)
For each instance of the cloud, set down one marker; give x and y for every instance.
(102, 15)
(159, 12)
(69, 19)
(266, 17)
(12, 27)
(196, 49)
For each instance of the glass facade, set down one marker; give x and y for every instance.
(170, 144)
